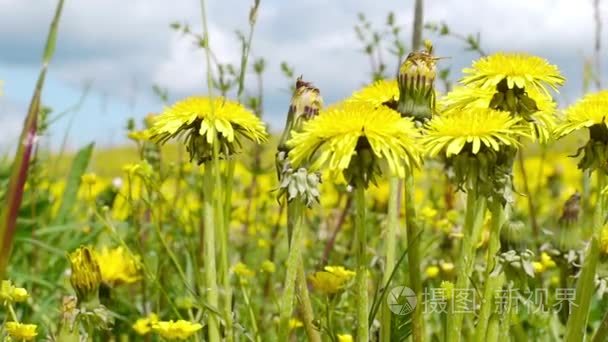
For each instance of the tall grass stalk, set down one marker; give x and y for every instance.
(25, 146)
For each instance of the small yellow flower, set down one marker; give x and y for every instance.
(10, 293)
(263, 243)
(268, 266)
(446, 267)
(295, 323)
(538, 267)
(546, 260)
(331, 280)
(428, 213)
(144, 325)
(242, 270)
(118, 266)
(179, 330)
(89, 179)
(21, 332)
(345, 338)
(432, 271)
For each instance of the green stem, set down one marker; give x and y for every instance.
(306, 305)
(361, 277)
(476, 206)
(221, 202)
(413, 255)
(209, 252)
(493, 282)
(602, 331)
(390, 245)
(295, 211)
(585, 287)
(254, 322)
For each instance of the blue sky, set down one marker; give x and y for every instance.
(121, 48)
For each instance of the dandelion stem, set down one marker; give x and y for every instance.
(390, 245)
(493, 281)
(476, 206)
(306, 305)
(222, 218)
(209, 251)
(413, 255)
(295, 211)
(361, 278)
(585, 287)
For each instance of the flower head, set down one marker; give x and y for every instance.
(345, 338)
(377, 94)
(516, 70)
(331, 280)
(590, 111)
(11, 294)
(351, 137)
(539, 119)
(180, 330)
(144, 325)
(118, 266)
(86, 275)
(471, 130)
(21, 332)
(206, 120)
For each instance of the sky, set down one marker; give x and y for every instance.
(110, 52)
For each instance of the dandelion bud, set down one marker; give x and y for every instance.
(305, 104)
(571, 210)
(86, 275)
(416, 84)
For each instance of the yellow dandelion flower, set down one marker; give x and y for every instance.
(377, 93)
(432, 271)
(345, 338)
(20, 331)
(180, 330)
(89, 178)
(341, 132)
(591, 110)
(206, 120)
(518, 69)
(118, 266)
(331, 280)
(472, 129)
(144, 325)
(541, 122)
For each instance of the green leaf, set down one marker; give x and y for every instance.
(79, 166)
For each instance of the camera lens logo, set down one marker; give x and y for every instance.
(401, 300)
